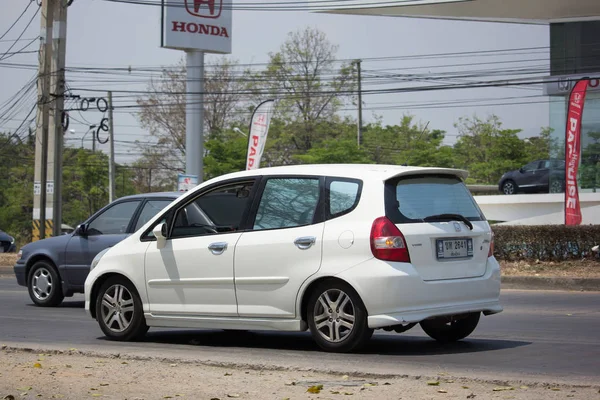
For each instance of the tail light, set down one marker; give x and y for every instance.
(491, 251)
(387, 242)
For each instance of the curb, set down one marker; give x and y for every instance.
(508, 282)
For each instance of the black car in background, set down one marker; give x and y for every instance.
(540, 176)
(56, 267)
(7, 243)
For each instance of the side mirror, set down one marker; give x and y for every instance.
(160, 233)
(81, 230)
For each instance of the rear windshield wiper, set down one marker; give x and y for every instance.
(449, 217)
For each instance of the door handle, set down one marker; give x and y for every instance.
(217, 247)
(305, 242)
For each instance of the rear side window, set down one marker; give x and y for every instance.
(413, 198)
(343, 196)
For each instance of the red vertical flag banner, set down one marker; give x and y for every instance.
(573, 151)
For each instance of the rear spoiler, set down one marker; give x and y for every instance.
(460, 173)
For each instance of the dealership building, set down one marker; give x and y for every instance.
(574, 29)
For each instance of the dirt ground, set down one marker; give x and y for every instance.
(71, 375)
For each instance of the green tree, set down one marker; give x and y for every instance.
(407, 143)
(309, 85)
(487, 151)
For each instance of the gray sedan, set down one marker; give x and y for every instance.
(56, 267)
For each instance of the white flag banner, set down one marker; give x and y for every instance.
(257, 137)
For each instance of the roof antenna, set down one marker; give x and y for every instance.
(419, 138)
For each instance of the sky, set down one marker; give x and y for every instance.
(107, 34)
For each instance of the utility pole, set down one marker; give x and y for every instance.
(111, 154)
(359, 132)
(56, 134)
(41, 142)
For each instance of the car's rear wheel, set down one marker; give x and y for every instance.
(337, 318)
(44, 285)
(451, 329)
(119, 310)
(509, 187)
(556, 187)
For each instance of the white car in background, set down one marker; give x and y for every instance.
(340, 250)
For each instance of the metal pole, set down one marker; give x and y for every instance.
(59, 48)
(194, 118)
(111, 154)
(41, 143)
(359, 133)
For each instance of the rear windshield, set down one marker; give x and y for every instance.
(411, 199)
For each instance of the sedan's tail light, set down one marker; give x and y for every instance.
(387, 242)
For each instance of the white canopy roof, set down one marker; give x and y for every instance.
(520, 11)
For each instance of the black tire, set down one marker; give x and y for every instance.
(509, 187)
(44, 286)
(354, 338)
(114, 329)
(447, 330)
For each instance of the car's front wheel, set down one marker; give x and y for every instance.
(337, 318)
(44, 285)
(451, 329)
(119, 310)
(509, 187)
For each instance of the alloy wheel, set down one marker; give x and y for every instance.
(117, 308)
(508, 188)
(334, 315)
(556, 187)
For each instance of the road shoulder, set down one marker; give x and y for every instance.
(72, 374)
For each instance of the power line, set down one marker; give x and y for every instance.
(17, 20)
(3, 57)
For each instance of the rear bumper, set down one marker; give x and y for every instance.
(394, 293)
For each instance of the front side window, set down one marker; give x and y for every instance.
(114, 220)
(287, 202)
(411, 200)
(220, 210)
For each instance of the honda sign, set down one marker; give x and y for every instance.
(197, 25)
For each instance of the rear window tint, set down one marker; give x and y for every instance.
(413, 198)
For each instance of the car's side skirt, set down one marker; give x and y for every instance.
(185, 321)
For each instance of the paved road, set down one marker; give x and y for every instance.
(541, 336)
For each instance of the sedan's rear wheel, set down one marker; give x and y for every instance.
(119, 310)
(337, 318)
(451, 329)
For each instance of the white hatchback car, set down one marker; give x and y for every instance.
(340, 250)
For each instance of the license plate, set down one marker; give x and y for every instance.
(454, 248)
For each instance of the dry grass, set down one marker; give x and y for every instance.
(573, 269)
(8, 259)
